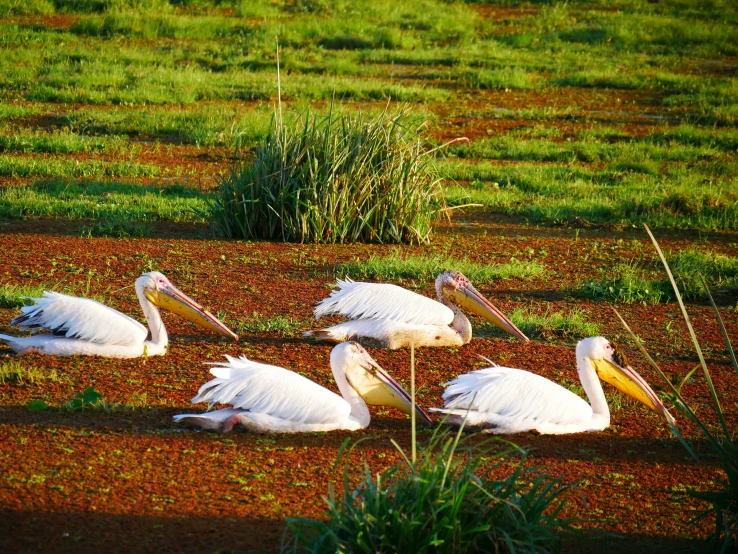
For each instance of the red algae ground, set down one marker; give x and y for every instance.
(126, 478)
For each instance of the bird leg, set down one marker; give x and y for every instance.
(228, 424)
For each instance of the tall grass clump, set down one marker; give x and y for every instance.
(718, 434)
(338, 178)
(455, 498)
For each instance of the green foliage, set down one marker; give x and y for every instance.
(396, 267)
(15, 371)
(477, 499)
(37, 405)
(111, 201)
(627, 284)
(335, 179)
(88, 398)
(16, 296)
(10, 8)
(720, 270)
(285, 326)
(720, 437)
(13, 166)
(630, 283)
(547, 324)
(61, 142)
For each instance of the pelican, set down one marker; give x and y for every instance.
(396, 317)
(506, 400)
(81, 326)
(271, 399)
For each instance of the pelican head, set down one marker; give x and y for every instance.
(370, 381)
(163, 294)
(454, 286)
(611, 366)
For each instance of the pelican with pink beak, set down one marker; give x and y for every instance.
(504, 400)
(82, 326)
(396, 318)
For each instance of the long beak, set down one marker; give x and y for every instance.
(470, 298)
(172, 299)
(380, 389)
(626, 380)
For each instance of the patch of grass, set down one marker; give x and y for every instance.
(14, 371)
(13, 166)
(17, 296)
(626, 283)
(284, 326)
(683, 198)
(479, 499)
(720, 270)
(630, 283)
(547, 324)
(9, 8)
(60, 142)
(333, 179)
(106, 201)
(395, 267)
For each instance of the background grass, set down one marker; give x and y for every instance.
(646, 130)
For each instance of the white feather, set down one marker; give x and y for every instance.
(272, 390)
(514, 394)
(81, 318)
(383, 301)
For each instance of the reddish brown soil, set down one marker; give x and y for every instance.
(130, 479)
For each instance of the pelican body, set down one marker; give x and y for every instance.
(505, 400)
(396, 318)
(271, 399)
(81, 326)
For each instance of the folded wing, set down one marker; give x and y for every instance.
(516, 394)
(272, 390)
(81, 318)
(383, 301)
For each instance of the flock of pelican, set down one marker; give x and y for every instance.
(272, 399)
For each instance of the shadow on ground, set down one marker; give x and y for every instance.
(96, 532)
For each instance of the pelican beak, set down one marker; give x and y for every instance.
(625, 379)
(379, 389)
(171, 298)
(470, 298)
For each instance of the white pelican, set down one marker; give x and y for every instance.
(396, 317)
(81, 326)
(271, 399)
(507, 400)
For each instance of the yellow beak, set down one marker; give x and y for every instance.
(172, 299)
(626, 380)
(468, 297)
(379, 389)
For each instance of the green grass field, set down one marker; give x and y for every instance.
(649, 134)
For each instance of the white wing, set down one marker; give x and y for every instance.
(272, 390)
(81, 318)
(383, 301)
(516, 394)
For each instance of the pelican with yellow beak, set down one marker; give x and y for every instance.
(271, 399)
(81, 326)
(395, 317)
(504, 400)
